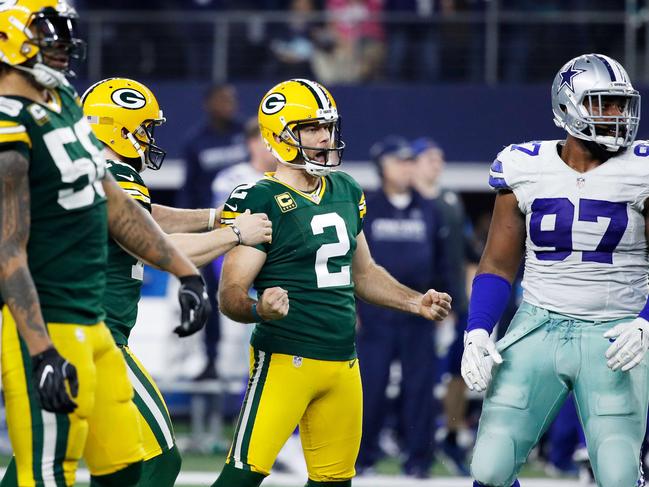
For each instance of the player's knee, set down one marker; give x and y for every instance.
(494, 461)
(126, 477)
(617, 463)
(162, 470)
(231, 476)
(173, 460)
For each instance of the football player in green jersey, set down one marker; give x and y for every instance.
(58, 204)
(123, 114)
(304, 368)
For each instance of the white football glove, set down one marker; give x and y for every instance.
(478, 358)
(630, 345)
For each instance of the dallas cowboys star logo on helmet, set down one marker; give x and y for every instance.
(568, 75)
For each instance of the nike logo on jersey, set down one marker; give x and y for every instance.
(128, 178)
(230, 207)
(46, 371)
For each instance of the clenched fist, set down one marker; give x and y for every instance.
(255, 228)
(273, 304)
(435, 305)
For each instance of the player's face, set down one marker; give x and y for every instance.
(56, 36)
(607, 106)
(316, 135)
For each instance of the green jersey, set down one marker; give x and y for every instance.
(314, 238)
(125, 273)
(67, 242)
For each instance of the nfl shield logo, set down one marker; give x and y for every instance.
(297, 361)
(580, 182)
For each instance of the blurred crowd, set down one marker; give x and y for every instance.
(350, 41)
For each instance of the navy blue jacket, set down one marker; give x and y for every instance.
(408, 243)
(206, 153)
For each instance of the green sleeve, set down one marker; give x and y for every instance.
(131, 182)
(244, 197)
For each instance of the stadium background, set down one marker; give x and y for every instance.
(474, 75)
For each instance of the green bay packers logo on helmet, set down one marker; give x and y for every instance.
(128, 98)
(273, 103)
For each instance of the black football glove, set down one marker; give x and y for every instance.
(50, 372)
(194, 305)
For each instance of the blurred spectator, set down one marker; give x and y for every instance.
(293, 46)
(212, 146)
(358, 50)
(429, 166)
(413, 51)
(402, 230)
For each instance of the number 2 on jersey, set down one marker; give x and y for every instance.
(560, 237)
(324, 277)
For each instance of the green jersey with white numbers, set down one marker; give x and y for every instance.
(125, 273)
(67, 242)
(314, 238)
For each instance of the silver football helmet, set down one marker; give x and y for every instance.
(579, 93)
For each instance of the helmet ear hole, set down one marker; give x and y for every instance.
(124, 133)
(563, 108)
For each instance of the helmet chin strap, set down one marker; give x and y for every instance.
(44, 75)
(138, 148)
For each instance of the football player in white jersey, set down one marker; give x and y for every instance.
(577, 208)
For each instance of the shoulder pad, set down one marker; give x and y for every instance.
(254, 197)
(10, 107)
(515, 163)
(347, 178)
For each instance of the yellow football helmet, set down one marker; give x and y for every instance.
(123, 114)
(290, 105)
(40, 33)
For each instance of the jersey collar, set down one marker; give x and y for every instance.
(315, 197)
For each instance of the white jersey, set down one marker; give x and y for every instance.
(586, 250)
(230, 178)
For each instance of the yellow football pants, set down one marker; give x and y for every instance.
(104, 428)
(323, 397)
(155, 422)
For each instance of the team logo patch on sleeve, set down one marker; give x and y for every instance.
(285, 202)
(39, 114)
